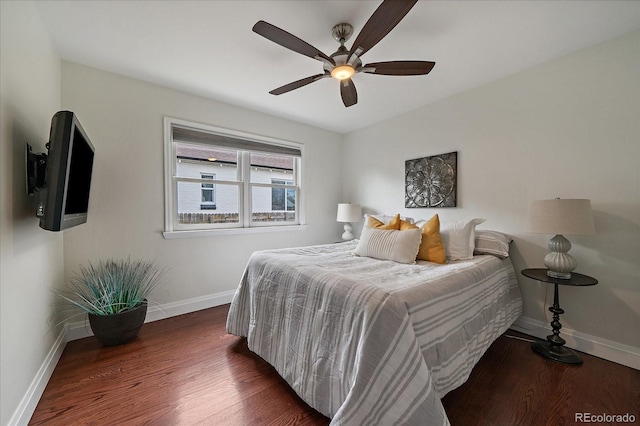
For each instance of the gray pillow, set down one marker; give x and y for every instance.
(399, 246)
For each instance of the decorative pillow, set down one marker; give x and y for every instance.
(394, 223)
(385, 219)
(405, 226)
(399, 246)
(459, 238)
(492, 242)
(432, 247)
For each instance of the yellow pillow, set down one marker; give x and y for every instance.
(405, 226)
(432, 247)
(394, 224)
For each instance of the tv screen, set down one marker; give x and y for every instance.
(64, 200)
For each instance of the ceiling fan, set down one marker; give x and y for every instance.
(343, 63)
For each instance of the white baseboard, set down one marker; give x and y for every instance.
(592, 345)
(29, 401)
(190, 305)
(81, 329)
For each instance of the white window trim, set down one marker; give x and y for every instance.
(170, 189)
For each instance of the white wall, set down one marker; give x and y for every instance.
(570, 129)
(30, 258)
(124, 119)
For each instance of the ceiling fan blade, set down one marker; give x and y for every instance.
(289, 41)
(399, 67)
(298, 84)
(383, 20)
(348, 92)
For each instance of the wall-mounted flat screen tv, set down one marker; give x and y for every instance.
(64, 199)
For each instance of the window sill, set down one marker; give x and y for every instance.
(170, 235)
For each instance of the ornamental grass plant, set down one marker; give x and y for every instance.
(112, 286)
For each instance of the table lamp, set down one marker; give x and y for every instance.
(561, 217)
(348, 213)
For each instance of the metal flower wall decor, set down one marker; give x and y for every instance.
(431, 181)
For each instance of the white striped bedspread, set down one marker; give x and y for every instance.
(372, 342)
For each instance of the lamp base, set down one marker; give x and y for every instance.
(559, 263)
(556, 353)
(348, 232)
(559, 275)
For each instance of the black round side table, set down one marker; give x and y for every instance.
(554, 347)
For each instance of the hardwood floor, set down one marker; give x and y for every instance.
(186, 370)
(512, 385)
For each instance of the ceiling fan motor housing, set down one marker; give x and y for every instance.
(340, 57)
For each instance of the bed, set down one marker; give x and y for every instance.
(367, 341)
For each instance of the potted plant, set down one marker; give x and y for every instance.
(114, 295)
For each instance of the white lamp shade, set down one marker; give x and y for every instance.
(349, 212)
(561, 217)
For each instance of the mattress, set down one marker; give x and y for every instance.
(367, 341)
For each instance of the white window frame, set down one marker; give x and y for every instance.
(175, 230)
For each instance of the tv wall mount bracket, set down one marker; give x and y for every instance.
(35, 166)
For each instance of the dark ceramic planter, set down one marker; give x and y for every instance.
(119, 328)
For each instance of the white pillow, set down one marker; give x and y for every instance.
(492, 242)
(459, 238)
(385, 218)
(399, 246)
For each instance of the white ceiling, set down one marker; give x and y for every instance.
(207, 47)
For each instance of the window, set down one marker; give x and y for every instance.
(219, 179)
(283, 198)
(208, 191)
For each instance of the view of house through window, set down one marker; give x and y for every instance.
(217, 186)
(270, 174)
(283, 198)
(208, 193)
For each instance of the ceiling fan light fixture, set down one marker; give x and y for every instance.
(342, 72)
